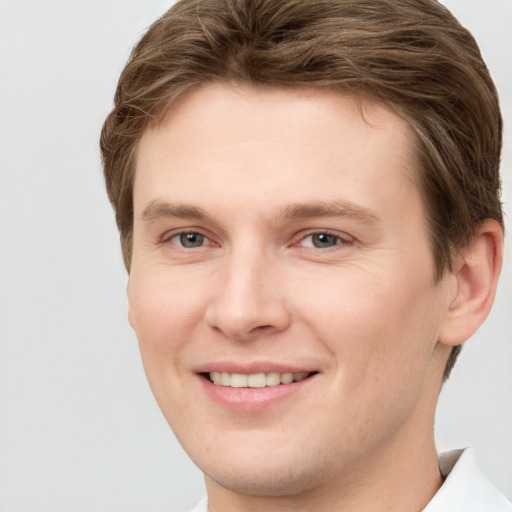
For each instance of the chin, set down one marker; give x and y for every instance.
(268, 476)
(274, 483)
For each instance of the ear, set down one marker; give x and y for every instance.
(476, 271)
(130, 313)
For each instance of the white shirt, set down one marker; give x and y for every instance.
(465, 488)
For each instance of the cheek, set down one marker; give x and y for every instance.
(165, 313)
(377, 327)
(162, 304)
(382, 338)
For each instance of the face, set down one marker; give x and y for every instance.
(282, 285)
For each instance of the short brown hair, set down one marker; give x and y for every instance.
(411, 54)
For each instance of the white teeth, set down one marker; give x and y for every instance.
(273, 379)
(286, 378)
(238, 380)
(256, 380)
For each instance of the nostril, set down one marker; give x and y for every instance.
(262, 328)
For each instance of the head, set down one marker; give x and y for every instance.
(411, 55)
(299, 183)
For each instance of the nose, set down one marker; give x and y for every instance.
(248, 301)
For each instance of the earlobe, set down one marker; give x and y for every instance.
(477, 268)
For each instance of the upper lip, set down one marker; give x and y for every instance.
(252, 368)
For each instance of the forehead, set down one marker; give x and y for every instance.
(251, 107)
(256, 138)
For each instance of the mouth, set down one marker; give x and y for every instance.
(255, 380)
(255, 389)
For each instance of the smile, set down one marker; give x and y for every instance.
(256, 380)
(254, 389)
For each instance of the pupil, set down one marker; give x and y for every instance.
(324, 240)
(191, 239)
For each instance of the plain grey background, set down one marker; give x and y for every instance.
(79, 429)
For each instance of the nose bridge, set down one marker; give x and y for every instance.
(247, 299)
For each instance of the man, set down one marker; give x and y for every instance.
(308, 199)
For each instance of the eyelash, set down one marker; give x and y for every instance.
(339, 239)
(179, 235)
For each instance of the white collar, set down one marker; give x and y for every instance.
(202, 506)
(465, 488)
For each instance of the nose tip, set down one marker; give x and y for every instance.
(243, 326)
(245, 318)
(247, 303)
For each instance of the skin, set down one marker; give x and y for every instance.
(232, 164)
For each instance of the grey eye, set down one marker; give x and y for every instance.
(324, 240)
(191, 240)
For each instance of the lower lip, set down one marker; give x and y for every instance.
(252, 399)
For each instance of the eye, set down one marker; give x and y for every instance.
(189, 240)
(323, 240)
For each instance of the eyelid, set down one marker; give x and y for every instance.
(169, 235)
(343, 238)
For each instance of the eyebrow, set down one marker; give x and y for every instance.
(330, 209)
(156, 209)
